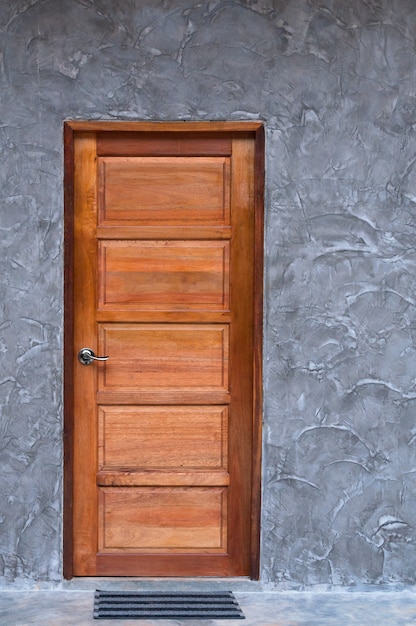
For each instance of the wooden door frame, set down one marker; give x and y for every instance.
(71, 128)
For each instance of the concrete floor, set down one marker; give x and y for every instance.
(71, 604)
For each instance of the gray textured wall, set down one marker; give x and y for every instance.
(335, 82)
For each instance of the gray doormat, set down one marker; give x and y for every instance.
(172, 605)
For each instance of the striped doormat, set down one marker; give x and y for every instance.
(172, 605)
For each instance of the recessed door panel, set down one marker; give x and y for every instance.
(168, 437)
(164, 519)
(164, 275)
(164, 190)
(164, 356)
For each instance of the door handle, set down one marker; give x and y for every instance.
(86, 356)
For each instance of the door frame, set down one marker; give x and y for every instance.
(71, 129)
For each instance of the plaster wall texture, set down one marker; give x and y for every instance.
(335, 83)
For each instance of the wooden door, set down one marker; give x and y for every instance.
(163, 276)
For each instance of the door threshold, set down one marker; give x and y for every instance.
(240, 584)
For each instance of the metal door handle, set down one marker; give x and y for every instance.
(86, 356)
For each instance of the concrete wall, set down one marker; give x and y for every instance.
(335, 83)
